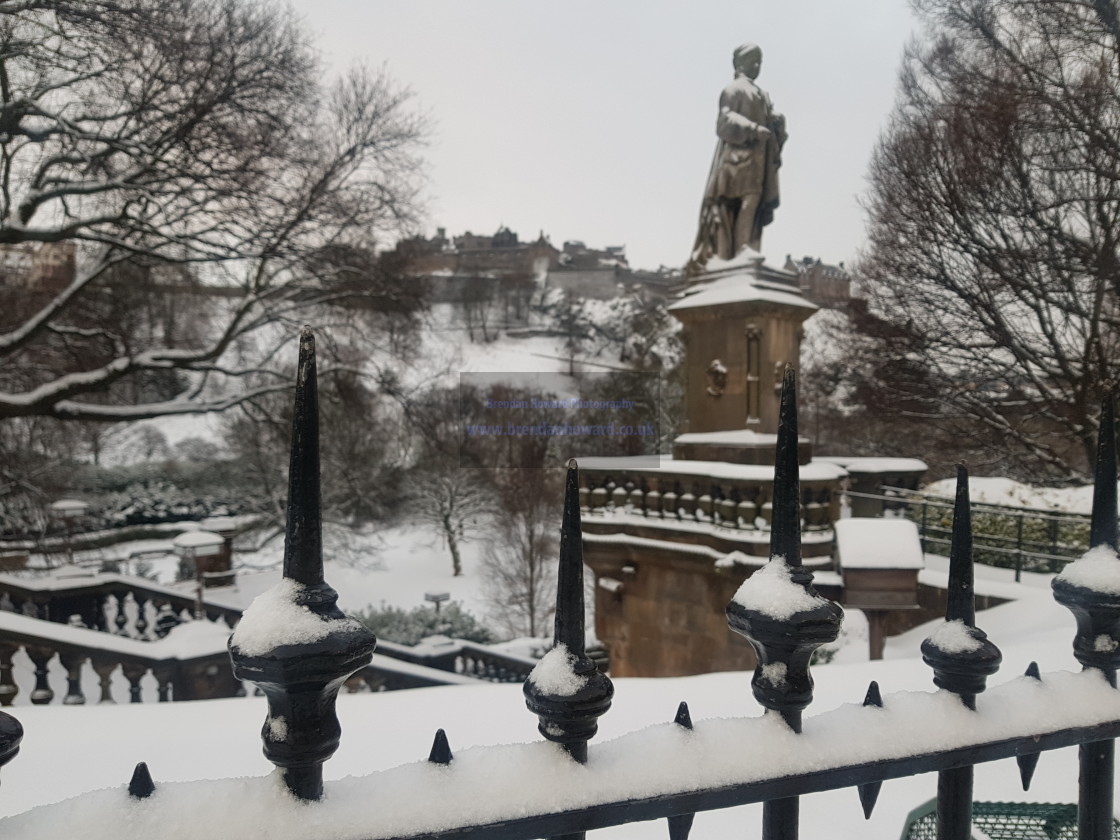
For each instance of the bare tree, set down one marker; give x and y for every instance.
(520, 562)
(457, 502)
(194, 132)
(995, 224)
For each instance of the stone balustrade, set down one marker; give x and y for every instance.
(733, 500)
(192, 665)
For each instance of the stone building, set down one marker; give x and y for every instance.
(828, 286)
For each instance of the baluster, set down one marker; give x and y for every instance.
(598, 499)
(301, 679)
(141, 619)
(618, 498)
(584, 498)
(41, 695)
(687, 505)
(8, 687)
(669, 507)
(962, 659)
(101, 621)
(1097, 610)
(164, 675)
(104, 669)
(747, 513)
(121, 620)
(133, 672)
(636, 499)
(653, 504)
(784, 641)
(72, 661)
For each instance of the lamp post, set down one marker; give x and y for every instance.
(195, 546)
(69, 511)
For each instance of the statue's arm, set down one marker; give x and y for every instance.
(733, 127)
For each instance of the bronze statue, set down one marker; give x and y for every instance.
(742, 190)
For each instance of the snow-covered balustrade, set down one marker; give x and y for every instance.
(735, 500)
(105, 601)
(190, 664)
(295, 643)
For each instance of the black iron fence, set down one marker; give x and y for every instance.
(679, 769)
(1019, 538)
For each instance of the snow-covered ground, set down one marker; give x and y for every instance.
(1004, 491)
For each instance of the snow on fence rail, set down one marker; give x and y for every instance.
(299, 648)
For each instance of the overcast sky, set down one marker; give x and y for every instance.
(595, 119)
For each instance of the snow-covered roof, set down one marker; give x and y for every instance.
(878, 544)
(738, 288)
(876, 465)
(728, 437)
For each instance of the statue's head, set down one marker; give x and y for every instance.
(747, 60)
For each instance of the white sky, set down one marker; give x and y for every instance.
(595, 120)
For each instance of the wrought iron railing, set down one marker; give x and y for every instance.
(1023, 539)
(300, 649)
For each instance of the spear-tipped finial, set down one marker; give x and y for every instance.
(785, 530)
(683, 718)
(441, 750)
(869, 793)
(303, 546)
(569, 710)
(1027, 763)
(961, 601)
(569, 591)
(141, 785)
(1102, 531)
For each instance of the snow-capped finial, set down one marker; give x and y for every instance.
(1103, 529)
(961, 603)
(303, 545)
(785, 528)
(566, 691)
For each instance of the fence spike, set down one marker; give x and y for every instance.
(569, 586)
(1096, 610)
(1103, 527)
(570, 718)
(785, 528)
(1029, 761)
(683, 718)
(301, 678)
(964, 672)
(303, 545)
(141, 785)
(783, 646)
(873, 697)
(869, 793)
(961, 603)
(441, 750)
(680, 826)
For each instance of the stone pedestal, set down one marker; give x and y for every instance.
(742, 325)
